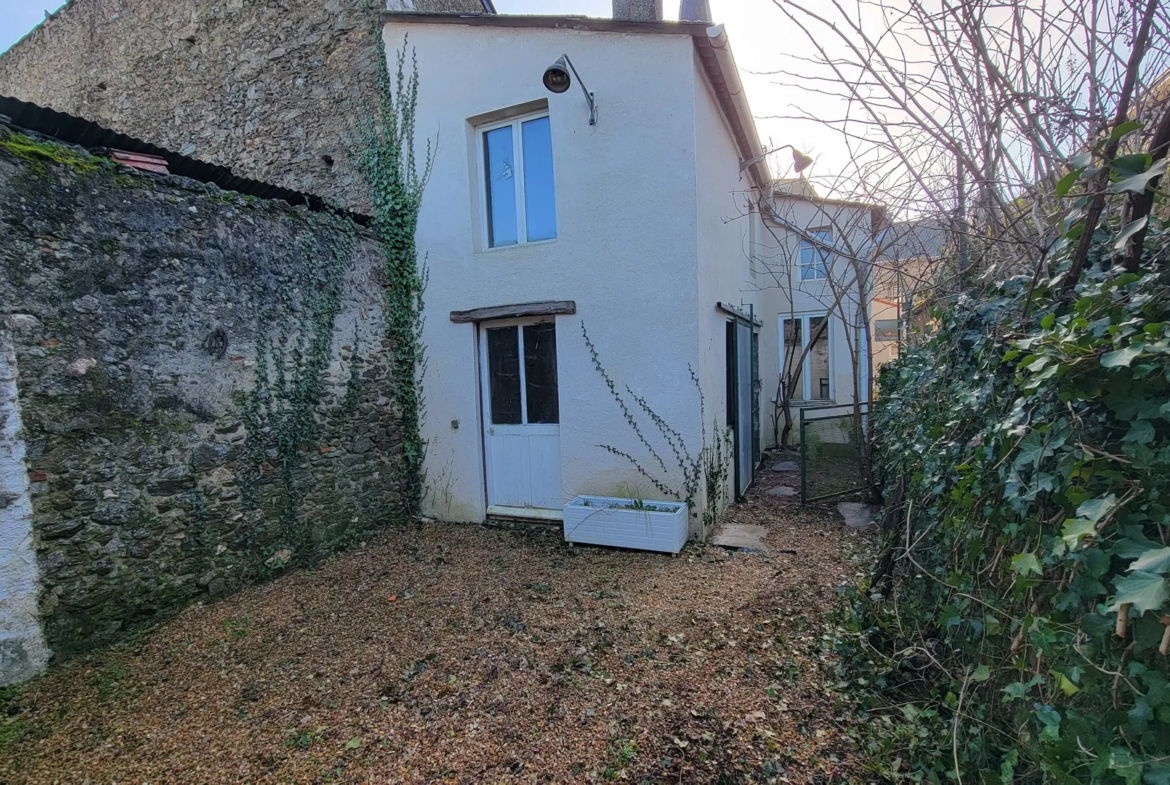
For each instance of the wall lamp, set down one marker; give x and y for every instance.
(556, 79)
(800, 161)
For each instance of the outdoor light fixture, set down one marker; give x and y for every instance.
(800, 161)
(557, 80)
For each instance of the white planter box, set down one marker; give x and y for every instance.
(626, 523)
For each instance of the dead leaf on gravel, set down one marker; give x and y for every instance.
(517, 659)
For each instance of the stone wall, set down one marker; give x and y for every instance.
(204, 386)
(267, 87)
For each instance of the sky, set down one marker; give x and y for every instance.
(756, 29)
(17, 17)
(759, 33)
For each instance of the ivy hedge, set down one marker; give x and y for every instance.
(1017, 628)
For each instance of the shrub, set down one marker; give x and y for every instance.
(1017, 629)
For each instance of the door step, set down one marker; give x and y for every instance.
(525, 514)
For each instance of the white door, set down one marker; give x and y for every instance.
(521, 416)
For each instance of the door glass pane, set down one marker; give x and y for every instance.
(793, 346)
(504, 375)
(540, 372)
(818, 359)
(886, 330)
(499, 166)
(540, 209)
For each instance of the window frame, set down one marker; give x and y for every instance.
(813, 272)
(516, 124)
(806, 368)
(892, 336)
(487, 410)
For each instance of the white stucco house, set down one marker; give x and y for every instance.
(596, 321)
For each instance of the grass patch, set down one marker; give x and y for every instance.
(12, 730)
(302, 739)
(235, 628)
(109, 682)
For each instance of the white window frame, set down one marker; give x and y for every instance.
(877, 335)
(814, 272)
(517, 177)
(805, 374)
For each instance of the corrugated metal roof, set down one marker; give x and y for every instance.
(97, 139)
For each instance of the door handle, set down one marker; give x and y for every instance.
(491, 431)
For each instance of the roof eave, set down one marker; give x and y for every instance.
(710, 43)
(586, 23)
(715, 54)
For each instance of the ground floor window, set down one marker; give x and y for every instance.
(814, 378)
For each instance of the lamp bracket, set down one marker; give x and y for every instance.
(589, 98)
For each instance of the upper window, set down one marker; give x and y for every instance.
(814, 257)
(886, 329)
(518, 195)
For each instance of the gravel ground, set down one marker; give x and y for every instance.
(454, 653)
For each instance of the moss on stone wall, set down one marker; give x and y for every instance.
(37, 153)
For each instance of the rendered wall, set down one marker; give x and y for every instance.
(22, 646)
(625, 250)
(203, 381)
(268, 89)
(723, 225)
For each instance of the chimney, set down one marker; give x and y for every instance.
(694, 11)
(638, 10)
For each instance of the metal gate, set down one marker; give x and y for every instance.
(832, 457)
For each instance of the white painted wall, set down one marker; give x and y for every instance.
(626, 250)
(22, 647)
(723, 224)
(782, 292)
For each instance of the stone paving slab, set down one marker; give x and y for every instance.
(856, 515)
(741, 535)
(781, 490)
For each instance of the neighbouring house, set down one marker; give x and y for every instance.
(194, 385)
(904, 273)
(604, 311)
(813, 269)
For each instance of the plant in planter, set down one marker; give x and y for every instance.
(623, 522)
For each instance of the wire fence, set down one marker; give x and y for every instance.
(831, 451)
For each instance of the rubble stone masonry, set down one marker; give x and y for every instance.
(167, 339)
(269, 88)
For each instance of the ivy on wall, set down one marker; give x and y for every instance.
(396, 180)
(1018, 626)
(294, 341)
(709, 468)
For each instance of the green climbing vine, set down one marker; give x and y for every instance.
(395, 179)
(294, 340)
(708, 468)
(1017, 626)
